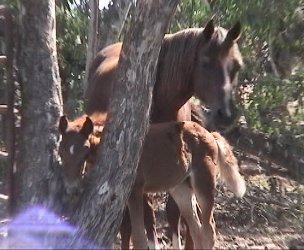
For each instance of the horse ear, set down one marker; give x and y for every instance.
(235, 32)
(87, 127)
(209, 30)
(63, 124)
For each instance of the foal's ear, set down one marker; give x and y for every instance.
(63, 124)
(87, 127)
(209, 30)
(235, 32)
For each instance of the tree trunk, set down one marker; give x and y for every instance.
(92, 38)
(112, 179)
(41, 105)
(114, 20)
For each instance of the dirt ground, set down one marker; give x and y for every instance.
(270, 216)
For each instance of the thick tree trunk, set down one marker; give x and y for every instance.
(111, 181)
(92, 38)
(41, 105)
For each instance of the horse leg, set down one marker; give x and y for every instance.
(135, 205)
(150, 223)
(174, 220)
(204, 185)
(125, 230)
(183, 196)
(188, 242)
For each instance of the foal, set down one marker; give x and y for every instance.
(183, 158)
(78, 150)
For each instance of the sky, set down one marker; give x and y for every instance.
(103, 3)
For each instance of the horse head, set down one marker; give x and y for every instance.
(74, 149)
(216, 73)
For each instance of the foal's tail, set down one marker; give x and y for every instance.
(228, 167)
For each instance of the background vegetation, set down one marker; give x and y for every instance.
(271, 84)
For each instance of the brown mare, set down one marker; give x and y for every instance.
(181, 158)
(203, 62)
(200, 61)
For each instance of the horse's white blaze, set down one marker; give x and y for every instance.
(72, 149)
(227, 90)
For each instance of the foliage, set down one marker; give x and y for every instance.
(276, 105)
(190, 13)
(71, 46)
(270, 43)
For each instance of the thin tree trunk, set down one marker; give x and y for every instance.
(41, 105)
(111, 181)
(114, 22)
(92, 38)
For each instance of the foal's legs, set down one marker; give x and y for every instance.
(174, 220)
(135, 205)
(183, 194)
(203, 183)
(125, 230)
(150, 223)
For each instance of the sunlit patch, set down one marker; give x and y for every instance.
(72, 149)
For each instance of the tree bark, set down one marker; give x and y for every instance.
(41, 105)
(92, 38)
(111, 181)
(114, 20)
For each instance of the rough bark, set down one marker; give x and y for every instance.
(111, 181)
(41, 105)
(8, 61)
(92, 38)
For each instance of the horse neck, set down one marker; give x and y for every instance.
(169, 113)
(176, 64)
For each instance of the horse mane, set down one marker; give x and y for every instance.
(175, 62)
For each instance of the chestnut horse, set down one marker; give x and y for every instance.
(182, 158)
(199, 61)
(78, 149)
(203, 62)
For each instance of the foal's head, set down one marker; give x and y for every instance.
(74, 149)
(215, 75)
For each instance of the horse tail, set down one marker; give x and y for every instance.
(229, 170)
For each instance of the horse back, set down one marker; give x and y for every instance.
(101, 74)
(168, 152)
